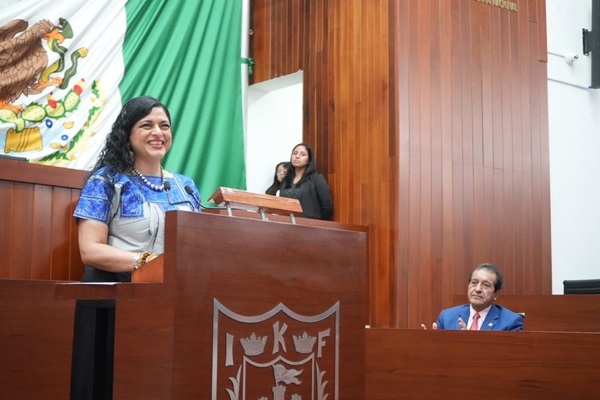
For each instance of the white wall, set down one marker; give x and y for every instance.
(574, 120)
(274, 127)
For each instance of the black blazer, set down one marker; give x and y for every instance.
(315, 198)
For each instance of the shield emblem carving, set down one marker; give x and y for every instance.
(278, 355)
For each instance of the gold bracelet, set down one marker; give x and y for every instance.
(150, 257)
(143, 258)
(145, 255)
(140, 259)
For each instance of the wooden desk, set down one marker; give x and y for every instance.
(36, 339)
(554, 313)
(418, 364)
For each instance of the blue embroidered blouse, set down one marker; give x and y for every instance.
(134, 213)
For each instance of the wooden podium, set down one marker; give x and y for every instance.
(260, 203)
(247, 309)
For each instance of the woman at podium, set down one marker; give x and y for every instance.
(121, 211)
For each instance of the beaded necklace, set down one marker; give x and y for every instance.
(150, 184)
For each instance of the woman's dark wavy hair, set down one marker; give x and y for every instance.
(276, 184)
(310, 169)
(117, 154)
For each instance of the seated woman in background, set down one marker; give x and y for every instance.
(304, 183)
(121, 211)
(280, 171)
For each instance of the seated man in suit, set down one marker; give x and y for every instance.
(485, 283)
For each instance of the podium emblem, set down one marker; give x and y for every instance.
(277, 355)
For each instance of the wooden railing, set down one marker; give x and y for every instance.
(38, 239)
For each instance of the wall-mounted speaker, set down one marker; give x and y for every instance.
(591, 44)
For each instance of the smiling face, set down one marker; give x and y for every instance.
(151, 138)
(300, 158)
(481, 291)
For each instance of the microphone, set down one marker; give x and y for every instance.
(167, 186)
(190, 191)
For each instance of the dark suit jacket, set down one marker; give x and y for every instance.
(497, 319)
(315, 198)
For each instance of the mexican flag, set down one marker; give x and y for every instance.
(67, 66)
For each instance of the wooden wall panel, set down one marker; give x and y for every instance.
(20, 232)
(278, 36)
(429, 120)
(36, 339)
(41, 253)
(36, 213)
(501, 213)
